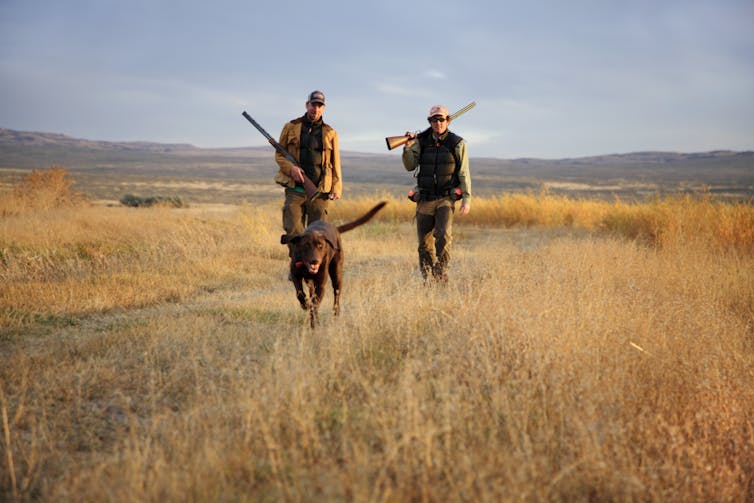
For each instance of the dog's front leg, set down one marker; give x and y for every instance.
(336, 294)
(300, 295)
(315, 296)
(336, 274)
(336, 302)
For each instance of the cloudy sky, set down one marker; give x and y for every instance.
(551, 79)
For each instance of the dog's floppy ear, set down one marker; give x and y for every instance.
(292, 239)
(332, 238)
(333, 244)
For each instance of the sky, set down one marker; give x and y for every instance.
(551, 79)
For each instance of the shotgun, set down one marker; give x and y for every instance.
(397, 141)
(311, 190)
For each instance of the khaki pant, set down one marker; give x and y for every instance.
(434, 228)
(298, 213)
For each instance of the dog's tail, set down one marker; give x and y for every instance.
(363, 219)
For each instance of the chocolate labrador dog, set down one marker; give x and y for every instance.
(317, 252)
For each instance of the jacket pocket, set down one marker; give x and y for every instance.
(326, 182)
(292, 142)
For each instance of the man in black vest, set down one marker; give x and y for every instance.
(442, 173)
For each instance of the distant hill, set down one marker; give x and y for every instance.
(722, 171)
(32, 140)
(35, 140)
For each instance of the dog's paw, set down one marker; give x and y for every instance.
(303, 301)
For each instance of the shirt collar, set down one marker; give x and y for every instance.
(441, 137)
(309, 123)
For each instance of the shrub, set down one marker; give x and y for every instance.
(139, 202)
(42, 190)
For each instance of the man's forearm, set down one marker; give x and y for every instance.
(464, 174)
(411, 157)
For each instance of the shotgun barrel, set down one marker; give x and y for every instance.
(309, 187)
(396, 141)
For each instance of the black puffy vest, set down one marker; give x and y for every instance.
(438, 165)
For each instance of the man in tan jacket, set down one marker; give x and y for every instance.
(314, 145)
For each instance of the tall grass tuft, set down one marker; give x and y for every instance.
(674, 220)
(42, 190)
(659, 221)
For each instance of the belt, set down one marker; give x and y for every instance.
(428, 196)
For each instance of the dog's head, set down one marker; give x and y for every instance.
(310, 249)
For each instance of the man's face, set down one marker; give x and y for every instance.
(439, 124)
(314, 111)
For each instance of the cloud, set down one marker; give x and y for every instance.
(393, 89)
(436, 74)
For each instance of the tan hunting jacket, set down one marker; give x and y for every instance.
(290, 140)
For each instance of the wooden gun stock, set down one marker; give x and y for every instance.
(397, 141)
(311, 190)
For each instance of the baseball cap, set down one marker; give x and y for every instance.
(438, 110)
(316, 97)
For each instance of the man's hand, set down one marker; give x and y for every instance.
(297, 174)
(334, 196)
(411, 141)
(465, 208)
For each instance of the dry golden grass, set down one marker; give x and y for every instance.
(582, 351)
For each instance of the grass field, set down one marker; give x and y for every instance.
(582, 351)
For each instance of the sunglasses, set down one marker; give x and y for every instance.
(437, 119)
